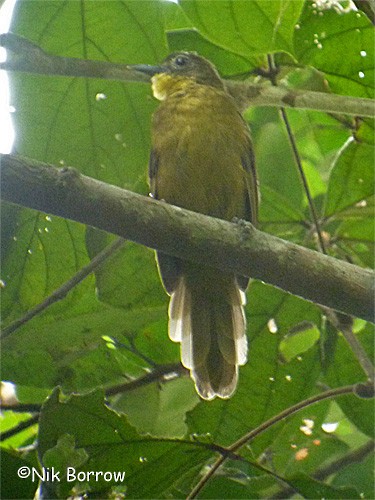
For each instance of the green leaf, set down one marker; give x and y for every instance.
(237, 480)
(228, 63)
(366, 132)
(174, 16)
(299, 342)
(129, 278)
(345, 369)
(78, 119)
(10, 420)
(111, 444)
(352, 178)
(246, 28)
(302, 445)
(340, 44)
(31, 262)
(359, 475)
(278, 216)
(69, 350)
(356, 238)
(159, 411)
(64, 454)
(12, 486)
(312, 489)
(284, 179)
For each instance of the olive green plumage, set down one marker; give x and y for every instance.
(202, 159)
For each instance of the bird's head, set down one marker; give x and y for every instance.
(179, 70)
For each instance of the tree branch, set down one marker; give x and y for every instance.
(238, 248)
(26, 56)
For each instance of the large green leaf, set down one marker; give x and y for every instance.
(228, 63)
(341, 44)
(359, 475)
(12, 486)
(69, 349)
(352, 178)
(159, 410)
(355, 237)
(311, 488)
(246, 28)
(31, 260)
(99, 126)
(106, 442)
(346, 370)
(285, 178)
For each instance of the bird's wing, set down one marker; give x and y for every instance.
(169, 267)
(251, 198)
(152, 171)
(252, 195)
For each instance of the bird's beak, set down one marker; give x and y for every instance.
(147, 69)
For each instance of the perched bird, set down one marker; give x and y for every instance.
(202, 159)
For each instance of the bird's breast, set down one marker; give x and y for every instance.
(199, 140)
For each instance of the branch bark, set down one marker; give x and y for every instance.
(239, 248)
(26, 56)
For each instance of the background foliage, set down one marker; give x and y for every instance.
(113, 326)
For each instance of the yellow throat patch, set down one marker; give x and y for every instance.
(164, 85)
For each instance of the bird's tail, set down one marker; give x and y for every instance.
(206, 316)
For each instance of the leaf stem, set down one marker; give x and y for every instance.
(297, 159)
(344, 323)
(331, 393)
(20, 427)
(65, 288)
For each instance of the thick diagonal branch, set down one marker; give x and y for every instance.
(238, 248)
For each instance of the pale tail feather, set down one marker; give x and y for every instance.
(180, 321)
(218, 344)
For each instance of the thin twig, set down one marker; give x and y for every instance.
(158, 373)
(20, 427)
(298, 161)
(133, 348)
(310, 200)
(344, 323)
(22, 407)
(339, 391)
(65, 288)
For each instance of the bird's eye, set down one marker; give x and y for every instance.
(181, 61)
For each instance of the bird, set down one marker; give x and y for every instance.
(202, 159)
